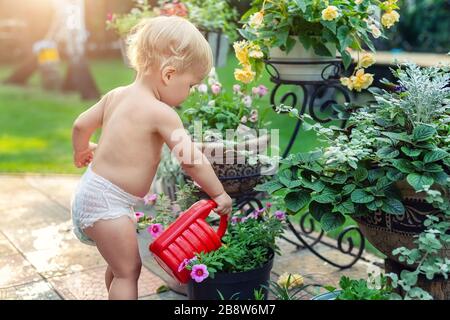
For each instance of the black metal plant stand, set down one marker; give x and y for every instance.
(316, 99)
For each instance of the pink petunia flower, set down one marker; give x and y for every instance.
(183, 265)
(109, 16)
(268, 205)
(139, 215)
(236, 88)
(199, 272)
(150, 198)
(155, 229)
(215, 88)
(280, 215)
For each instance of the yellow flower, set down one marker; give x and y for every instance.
(245, 75)
(347, 82)
(255, 52)
(390, 18)
(361, 80)
(330, 13)
(375, 31)
(241, 51)
(256, 19)
(290, 281)
(366, 60)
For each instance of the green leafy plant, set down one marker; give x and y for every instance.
(323, 26)
(218, 109)
(123, 23)
(362, 289)
(401, 140)
(287, 287)
(249, 243)
(213, 16)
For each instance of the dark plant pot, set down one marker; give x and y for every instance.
(238, 285)
(387, 232)
(233, 170)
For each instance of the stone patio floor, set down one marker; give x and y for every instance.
(40, 258)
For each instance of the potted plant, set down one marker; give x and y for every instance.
(241, 266)
(224, 127)
(299, 32)
(122, 24)
(216, 19)
(362, 289)
(388, 170)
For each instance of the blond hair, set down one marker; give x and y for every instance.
(169, 41)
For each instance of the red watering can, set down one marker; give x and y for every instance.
(187, 235)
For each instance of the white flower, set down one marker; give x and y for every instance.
(202, 88)
(247, 100)
(376, 32)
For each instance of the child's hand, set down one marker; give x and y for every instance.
(83, 158)
(224, 203)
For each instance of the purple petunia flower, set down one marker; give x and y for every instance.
(155, 229)
(235, 219)
(280, 215)
(199, 272)
(262, 90)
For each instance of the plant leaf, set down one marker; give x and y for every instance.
(297, 200)
(361, 196)
(331, 220)
(418, 181)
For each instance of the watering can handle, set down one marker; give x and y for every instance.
(222, 226)
(223, 220)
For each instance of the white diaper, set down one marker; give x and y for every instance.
(97, 198)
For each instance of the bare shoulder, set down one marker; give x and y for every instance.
(160, 114)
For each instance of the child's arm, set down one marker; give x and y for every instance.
(83, 128)
(191, 159)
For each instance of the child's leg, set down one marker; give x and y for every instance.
(116, 240)
(109, 276)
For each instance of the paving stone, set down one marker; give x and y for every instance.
(39, 290)
(6, 247)
(66, 257)
(15, 270)
(168, 295)
(13, 190)
(90, 284)
(58, 188)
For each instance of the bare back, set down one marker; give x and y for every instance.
(129, 148)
